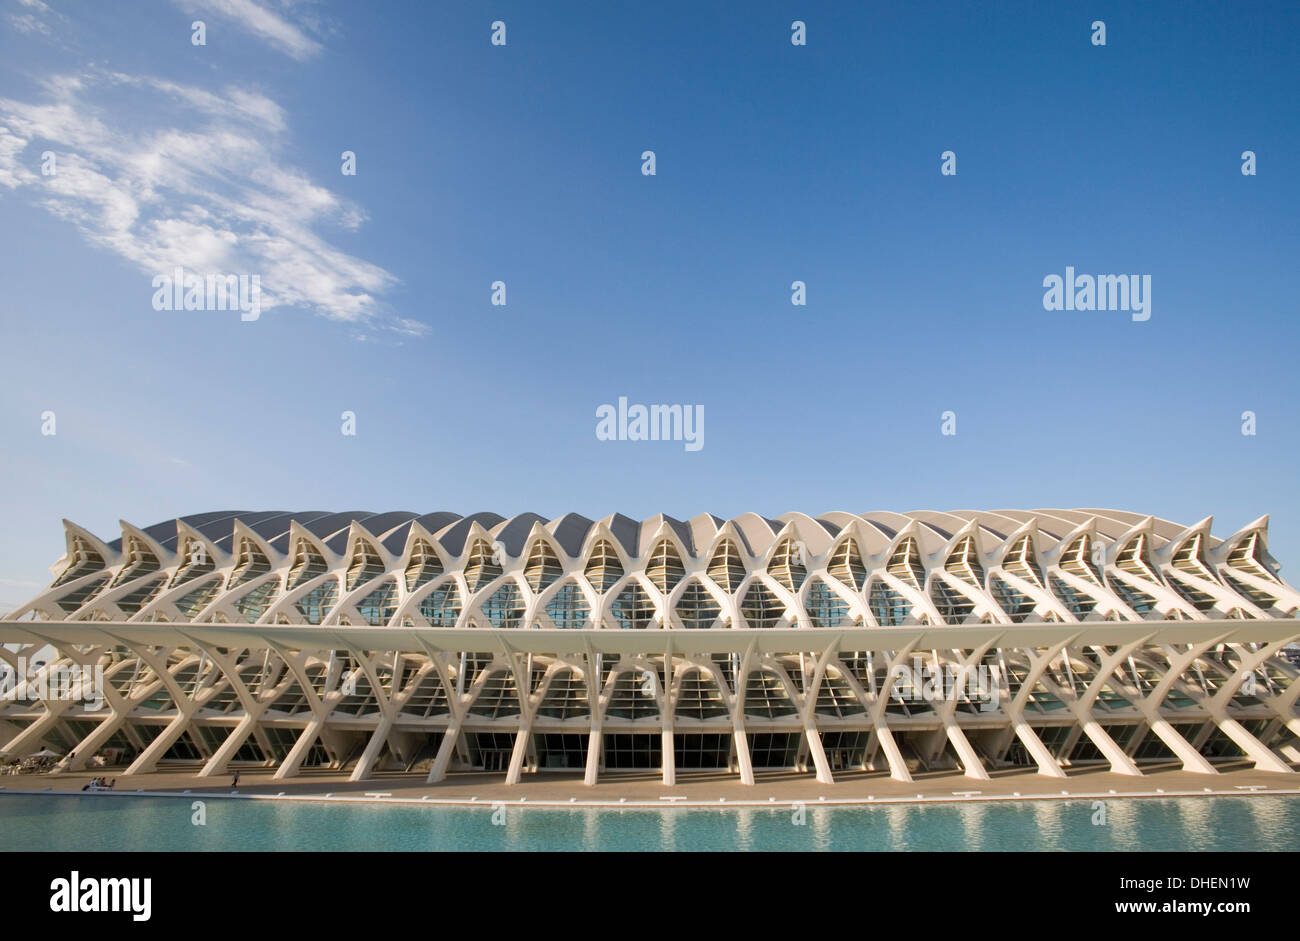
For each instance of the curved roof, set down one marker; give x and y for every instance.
(572, 530)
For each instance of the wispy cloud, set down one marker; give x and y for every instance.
(286, 30)
(36, 19)
(175, 175)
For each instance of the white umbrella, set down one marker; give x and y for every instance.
(46, 753)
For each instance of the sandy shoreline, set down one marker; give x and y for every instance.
(637, 791)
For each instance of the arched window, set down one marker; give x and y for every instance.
(825, 607)
(633, 609)
(424, 565)
(964, 563)
(696, 608)
(379, 606)
(1077, 560)
(505, 608)
(441, 606)
(846, 565)
(542, 568)
(1014, 602)
(364, 566)
(1021, 561)
(698, 696)
(787, 565)
(766, 696)
(664, 568)
(316, 604)
(761, 607)
(568, 608)
(603, 566)
(905, 563)
(1133, 559)
(480, 568)
(889, 606)
(140, 560)
(256, 602)
(84, 561)
(196, 562)
(249, 563)
(953, 605)
(726, 568)
(566, 696)
(633, 696)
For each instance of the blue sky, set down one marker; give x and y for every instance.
(522, 163)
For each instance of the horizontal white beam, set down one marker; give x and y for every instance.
(684, 642)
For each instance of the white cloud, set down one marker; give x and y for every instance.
(34, 22)
(12, 171)
(27, 23)
(276, 29)
(185, 177)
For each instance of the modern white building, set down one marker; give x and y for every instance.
(971, 641)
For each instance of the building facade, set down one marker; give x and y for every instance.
(367, 643)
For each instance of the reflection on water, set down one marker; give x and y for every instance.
(79, 822)
(820, 821)
(971, 820)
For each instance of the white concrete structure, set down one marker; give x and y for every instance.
(393, 641)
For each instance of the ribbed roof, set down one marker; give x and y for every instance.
(570, 531)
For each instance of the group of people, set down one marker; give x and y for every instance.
(100, 784)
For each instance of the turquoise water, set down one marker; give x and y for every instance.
(87, 822)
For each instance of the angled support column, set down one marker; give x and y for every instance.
(970, 760)
(742, 749)
(519, 753)
(253, 710)
(1150, 707)
(29, 739)
(293, 761)
(1047, 764)
(1120, 763)
(880, 703)
(1082, 708)
(374, 748)
(893, 754)
(1265, 760)
(592, 676)
(743, 758)
(456, 707)
(147, 761)
(593, 756)
(808, 711)
(965, 751)
(818, 753)
(668, 751)
(667, 746)
(1283, 705)
(1192, 759)
(1015, 708)
(446, 748)
(225, 753)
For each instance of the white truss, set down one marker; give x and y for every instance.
(396, 641)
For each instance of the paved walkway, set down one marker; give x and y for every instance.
(551, 788)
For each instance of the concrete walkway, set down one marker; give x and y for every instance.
(706, 788)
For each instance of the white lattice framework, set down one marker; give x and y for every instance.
(395, 641)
